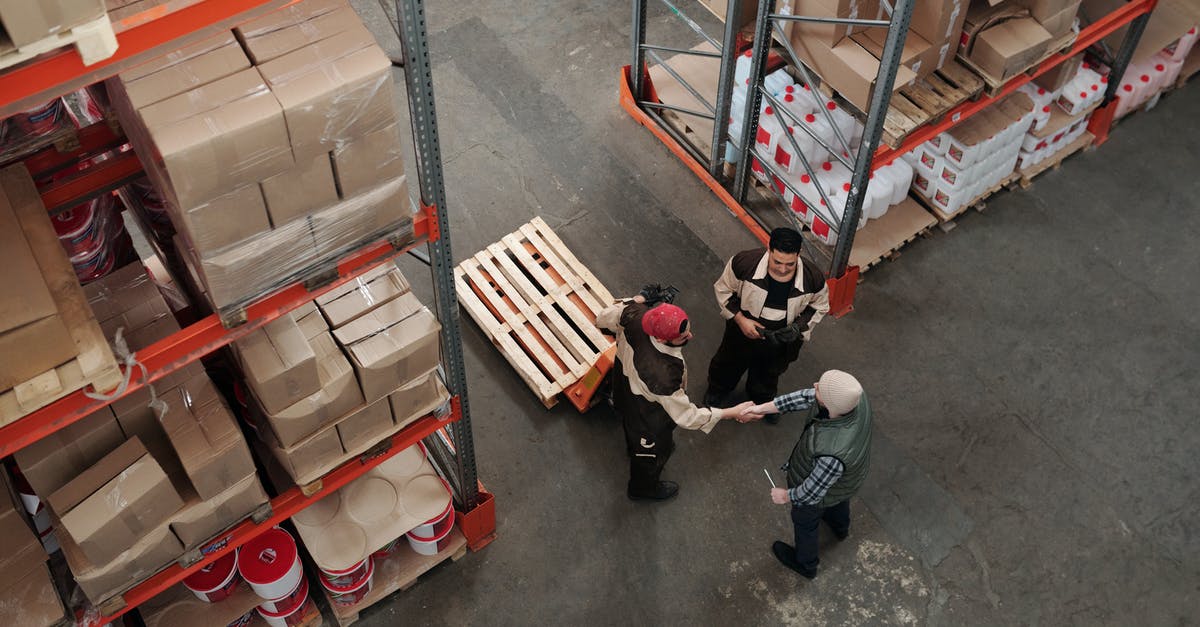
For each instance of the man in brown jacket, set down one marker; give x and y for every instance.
(771, 298)
(649, 389)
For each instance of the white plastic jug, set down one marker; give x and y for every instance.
(741, 70)
(901, 173)
(832, 175)
(1180, 50)
(768, 134)
(844, 123)
(797, 106)
(819, 127)
(777, 81)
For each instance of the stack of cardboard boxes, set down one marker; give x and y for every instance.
(330, 380)
(1002, 38)
(275, 146)
(134, 485)
(27, 593)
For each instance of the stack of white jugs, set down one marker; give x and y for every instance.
(806, 123)
(962, 164)
(1145, 80)
(1075, 98)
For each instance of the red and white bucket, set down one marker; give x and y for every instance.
(287, 619)
(271, 565)
(39, 120)
(438, 525)
(431, 544)
(347, 577)
(215, 582)
(351, 594)
(289, 602)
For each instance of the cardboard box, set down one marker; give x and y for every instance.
(206, 437)
(915, 55)
(1048, 11)
(365, 426)
(830, 34)
(311, 454)
(390, 345)
(377, 213)
(200, 520)
(1059, 23)
(417, 398)
(30, 325)
(310, 321)
(33, 601)
(347, 302)
(367, 161)
(332, 91)
(157, 548)
(185, 75)
(849, 68)
(51, 462)
(139, 400)
(289, 15)
(107, 508)
(279, 364)
(191, 51)
(20, 551)
(218, 137)
(938, 20)
(142, 323)
(747, 10)
(1008, 48)
(339, 394)
(120, 291)
(981, 16)
(223, 221)
(272, 44)
(28, 21)
(300, 191)
(251, 268)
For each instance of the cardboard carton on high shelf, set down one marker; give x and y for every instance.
(310, 320)
(1056, 16)
(1057, 76)
(206, 437)
(279, 364)
(20, 551)
(417, 398)
(33, 601)
(155, 549)
(200, 520)
(284, 18)
(254, 267)
(365, 426)
(107, 508)
(265, 45)
(830, 34)
(28, 21)
(393, 343)
(1007, 48)
(186, 74)
(30, 325)
(847, 67)
(51, 462)
(332, 91)
(186, 53)
(217, 137)
(230, 218)
(917, 54)
(367, 161)
(381, 211)
(300, 191)
(311, 455)
(119, 291)
(939, 21)
(339, 395)
(347, 302)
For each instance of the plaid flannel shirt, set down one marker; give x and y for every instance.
(826, 470)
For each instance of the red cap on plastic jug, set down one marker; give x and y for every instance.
(1046, 109)
(1083, 94)
(1159, 67)
(1095, 87)
(790, 89)
(806, 179)
(827, 166)
(845, 187)
(1127, 87)
(769, 110)
(1145, 78)
(1086, 65)
(1041, 91)
(1104, 79)
(788, 98)
(810, 118)
(748, 53)
(831, 105)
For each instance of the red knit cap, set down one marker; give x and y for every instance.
(664, 321)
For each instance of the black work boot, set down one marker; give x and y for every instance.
(787, 556)
(663, 490)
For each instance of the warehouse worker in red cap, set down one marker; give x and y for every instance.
(649, 381)
(828, 463)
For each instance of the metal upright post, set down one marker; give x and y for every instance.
(889, 62)
(1125, 55)
(724, 87)
(639, 52)
(419, 78)
(758, 68)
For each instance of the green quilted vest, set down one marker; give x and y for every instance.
(848, 438)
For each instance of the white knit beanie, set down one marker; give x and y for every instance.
(840, 392)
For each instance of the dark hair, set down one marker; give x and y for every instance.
(786, 240)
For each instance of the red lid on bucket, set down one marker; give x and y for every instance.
(212, 576)
(267, 558)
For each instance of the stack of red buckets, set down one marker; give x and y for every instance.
(270, 563)
(94, 236)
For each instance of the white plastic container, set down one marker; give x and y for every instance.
(821, 228)
(741, 69)
(833, 175)
(808, 194)
(844, 123)
(767, 136)
(1041, 116)
(796, 106)
(961, 154)
(1180, 50)
(777, 81)
(1074, 100)
(952, 178)
(820, 128)
(881, 188)
(901, 174)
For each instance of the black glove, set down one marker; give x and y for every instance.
(787, 335)
(655, 293)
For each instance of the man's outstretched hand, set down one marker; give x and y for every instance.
(736, 411)
(779, 496)
(756, 412)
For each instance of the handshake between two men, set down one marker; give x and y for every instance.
(749, 411)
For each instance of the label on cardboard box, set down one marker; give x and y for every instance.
(206, 437)
(339, 395)
(279, 364)
(108, 507)
(347, 302)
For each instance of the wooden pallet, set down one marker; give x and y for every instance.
(946, 222)
(537, 303)
(994, 85)
(882, 239)
(399, 572)
(1054, 161)
(95, 41)
(927, 100)
(94, 363)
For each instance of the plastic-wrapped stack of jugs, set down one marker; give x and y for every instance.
(1083, 91)
(962, 164)
(1075, 99)
(813, 131)
(1144, 80)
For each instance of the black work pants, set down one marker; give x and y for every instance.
(649, 435)
(738, 354)
(806, 518)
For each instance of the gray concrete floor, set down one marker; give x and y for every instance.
(1034, 373)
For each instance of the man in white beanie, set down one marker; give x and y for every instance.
(828, 463)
